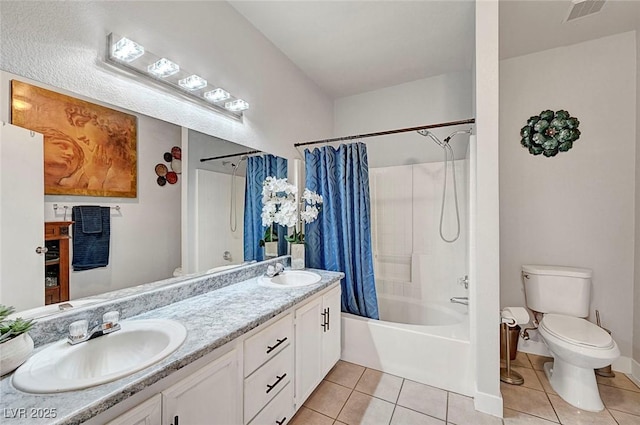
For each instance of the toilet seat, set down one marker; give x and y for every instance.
(576, 331)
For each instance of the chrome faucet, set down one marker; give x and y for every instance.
(274, 270)
(79, 330)
(460, 300)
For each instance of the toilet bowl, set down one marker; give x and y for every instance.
(562, 296)
(578, 347)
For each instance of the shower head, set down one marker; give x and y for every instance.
(424, 132)
(456, 133)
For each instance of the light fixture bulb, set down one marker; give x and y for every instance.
(237, 105)
(193, 82)
(127, 50)
(163, 68)
(217, 95)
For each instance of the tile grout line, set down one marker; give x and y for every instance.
(553, 408)
(395, 405)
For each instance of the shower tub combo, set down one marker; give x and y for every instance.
(423, 342)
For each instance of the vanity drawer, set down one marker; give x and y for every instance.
(267, 343)
(267, 382)
(279, 410)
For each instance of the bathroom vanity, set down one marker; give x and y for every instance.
(252, 355)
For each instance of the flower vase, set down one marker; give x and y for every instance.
(15, 352)
(271, 249)
(297, 256)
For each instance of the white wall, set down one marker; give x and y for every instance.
(138, 253)
(63, 43)
(636, 291)
(575, 209)
(484, 213)
(428, 101)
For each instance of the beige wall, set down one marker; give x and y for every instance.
(576, 209)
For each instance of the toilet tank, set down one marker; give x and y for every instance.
(557, 289)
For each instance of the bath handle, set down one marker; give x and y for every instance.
(272, 386)
(279, 342)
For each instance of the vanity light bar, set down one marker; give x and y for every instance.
(127, 50)
(163, 68)
(217, 95)
(193, 82)
(237, 105)
(130, 56)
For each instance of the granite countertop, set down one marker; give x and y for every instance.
(211, 319)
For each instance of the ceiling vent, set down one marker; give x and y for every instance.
(582, 8)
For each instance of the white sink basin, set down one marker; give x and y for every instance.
(290, 279)
(64, 367)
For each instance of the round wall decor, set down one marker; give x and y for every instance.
(550, 133)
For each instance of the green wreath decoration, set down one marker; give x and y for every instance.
(550, 133)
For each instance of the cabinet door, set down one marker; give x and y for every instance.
(308, 336)
(146, 413)
(21, 218)
(210, 396)
(331, 339)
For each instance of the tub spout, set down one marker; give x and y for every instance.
(460, 300)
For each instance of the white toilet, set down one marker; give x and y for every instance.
(562, 295)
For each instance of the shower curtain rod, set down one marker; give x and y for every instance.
(229, 156)
(384, 133)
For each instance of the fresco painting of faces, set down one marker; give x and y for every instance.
(88, 149)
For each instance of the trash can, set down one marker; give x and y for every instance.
(513, 333)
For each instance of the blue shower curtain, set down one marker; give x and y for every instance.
(258, 169)
(340, 239)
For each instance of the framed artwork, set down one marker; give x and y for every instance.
(89, 150)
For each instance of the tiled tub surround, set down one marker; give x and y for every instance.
(214, 318)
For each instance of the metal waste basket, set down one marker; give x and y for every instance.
(514, 333)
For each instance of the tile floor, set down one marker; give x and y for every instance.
(354, 395)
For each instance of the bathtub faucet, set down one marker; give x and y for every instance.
(460, 300)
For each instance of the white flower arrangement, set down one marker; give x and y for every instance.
(280, 207)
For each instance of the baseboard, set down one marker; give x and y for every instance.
(622, 364)
(635, 372)
(488, 403)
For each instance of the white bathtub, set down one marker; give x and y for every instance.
(427, 343)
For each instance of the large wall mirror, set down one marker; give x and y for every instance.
(174, 230)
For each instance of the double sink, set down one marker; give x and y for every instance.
(137, 345)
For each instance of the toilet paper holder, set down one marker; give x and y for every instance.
(510, 317)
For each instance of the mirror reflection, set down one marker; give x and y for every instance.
(225, 203)
(193, 223)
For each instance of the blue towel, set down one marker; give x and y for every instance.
(91, 219)
(91, 238)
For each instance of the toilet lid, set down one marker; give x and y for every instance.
(576, 330)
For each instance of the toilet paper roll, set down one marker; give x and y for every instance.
(515, 315)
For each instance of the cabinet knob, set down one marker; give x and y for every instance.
(42, 249)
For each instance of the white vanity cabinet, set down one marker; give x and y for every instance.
(268, 370)
(262, 378)
(209, 396)
(317, 336)
(146, 413)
